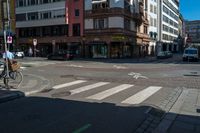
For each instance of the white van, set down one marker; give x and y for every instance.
(190, 54)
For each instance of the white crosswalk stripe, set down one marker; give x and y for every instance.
(88, 87)
(69, 84)
(135, 98)
(109, 92)
(142, 95)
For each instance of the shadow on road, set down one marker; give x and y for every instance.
(53, 115)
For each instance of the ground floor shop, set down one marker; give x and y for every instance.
(173, 47)
(87, 48)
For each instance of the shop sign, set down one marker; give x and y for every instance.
(118, 38)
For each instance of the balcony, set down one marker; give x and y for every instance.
(109, 12)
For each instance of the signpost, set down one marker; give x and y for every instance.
(34, 44)
(53, 45)
(9, 39)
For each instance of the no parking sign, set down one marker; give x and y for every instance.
(9, 39)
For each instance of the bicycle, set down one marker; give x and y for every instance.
(14, 77)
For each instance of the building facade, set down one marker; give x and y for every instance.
(192, 31)
(89, 28)
(115, 29)
(55, 24)
(168, 19)
(153, 25)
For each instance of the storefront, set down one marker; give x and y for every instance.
(98, 50)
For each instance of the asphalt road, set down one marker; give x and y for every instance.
(97, 96)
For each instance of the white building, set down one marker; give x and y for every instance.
(153, 24)
(168, 25)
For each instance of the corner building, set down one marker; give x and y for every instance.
(55, 24)
(115, 29)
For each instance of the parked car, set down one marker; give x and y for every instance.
(61, 55)
(164, 55)
(168, 54)
(190, 54)
(19, 54)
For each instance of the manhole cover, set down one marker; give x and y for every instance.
(61, 94)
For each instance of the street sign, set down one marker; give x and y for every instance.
(9, 39)
(34, 42)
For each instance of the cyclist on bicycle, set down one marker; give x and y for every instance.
(10, 57)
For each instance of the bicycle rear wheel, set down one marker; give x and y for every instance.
(15, 79)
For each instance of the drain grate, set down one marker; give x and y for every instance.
(61, 94)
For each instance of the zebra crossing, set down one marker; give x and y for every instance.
(98, 94)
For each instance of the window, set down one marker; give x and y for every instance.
(127, 24)
(45, 15)
(155, 22)
(32, 16)
(100, 5)
(21, 17)
(100, 23)
(145, 29)
(151, 21)
(151, 8)
(76, 12)
(76, 30)
(155, 9)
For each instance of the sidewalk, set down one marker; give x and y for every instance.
(184, 116)
(30, 85)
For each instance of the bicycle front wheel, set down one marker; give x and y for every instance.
(15, 79)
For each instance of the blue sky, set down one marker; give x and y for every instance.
(190, 9)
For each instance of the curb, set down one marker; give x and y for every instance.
(13, 95)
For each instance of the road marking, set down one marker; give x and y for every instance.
(107, 93)
(88, 87)
(68, 84)
(119, 67)
(82, 129)
(142, 95)
(137, 75)
(72, 65)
